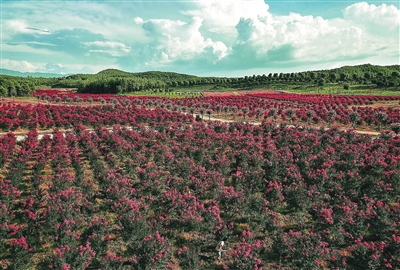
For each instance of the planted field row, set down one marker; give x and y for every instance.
(165, 196)
(15, 116)
(321, 110)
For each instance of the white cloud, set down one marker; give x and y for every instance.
(107, 19)
(209, 34)
(57, 68)
(21, 26)
(22, 66)
(222, 16)
(108, 47)
(266, 38)
(229, 33)
(178, 40)
(53, 68)
(384, 16)
(138, 20)
(310, 39)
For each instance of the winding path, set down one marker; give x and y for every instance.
(22, 134)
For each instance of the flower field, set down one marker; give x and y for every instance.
(358, 112)
(161, 190)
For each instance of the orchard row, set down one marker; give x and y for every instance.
(164, 195)
(320, 110)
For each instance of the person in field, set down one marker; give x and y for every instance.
(220, 249)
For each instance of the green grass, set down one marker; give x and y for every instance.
(202, 88)
(164, 94)
(338, 89)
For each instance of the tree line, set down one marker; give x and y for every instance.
(118, 82)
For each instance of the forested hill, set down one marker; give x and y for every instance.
(366, 68)
(157, 75)
(117, 81)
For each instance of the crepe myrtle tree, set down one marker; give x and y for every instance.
(226, 109)
(234, 110)
(353, 118)
(127, 102)
(395, 127)
(175, 108)
(209, 113)
(259, 113)
(310, 114)
(245, 111)
(331, 116)
(218, 108)
(290, 113)
(272, 113)
(114, 102)
(138, 101)
(382, 118)
(202, 111)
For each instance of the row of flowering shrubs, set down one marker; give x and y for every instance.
(164, 195)
(293, 108)
(14, 116)
(240, 93)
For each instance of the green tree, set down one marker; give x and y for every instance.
(321, 82)
(343, 77)
(3, 92)
(333, 77)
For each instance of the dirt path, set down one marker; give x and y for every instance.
(372, 133)
(21, 134)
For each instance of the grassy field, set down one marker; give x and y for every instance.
(338, 89)
(330, 88)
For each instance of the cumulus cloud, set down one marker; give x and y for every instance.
(222, 16)
(230, 34)
(207, 35)
(263, 39)
(387, 17)
(297, 37)
(177, 40)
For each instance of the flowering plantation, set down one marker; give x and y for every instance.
(160, 190)
(359, 112)
(241, 93)
(15, 116)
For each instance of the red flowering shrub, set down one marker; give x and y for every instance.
(165, 190)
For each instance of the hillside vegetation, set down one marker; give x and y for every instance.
(120, 82)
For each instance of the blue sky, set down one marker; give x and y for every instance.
(216, 38)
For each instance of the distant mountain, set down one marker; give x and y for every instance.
(32, 74)
(156, 75)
